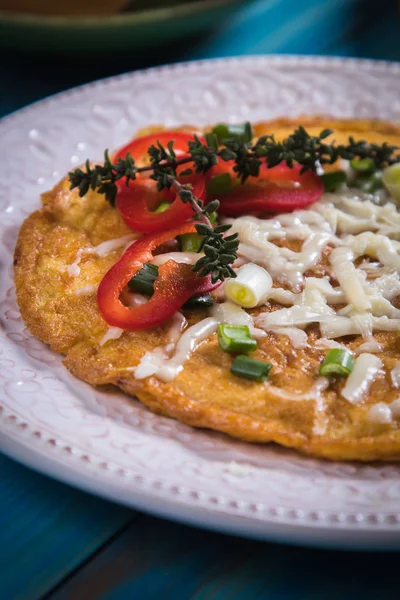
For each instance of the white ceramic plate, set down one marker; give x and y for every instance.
(113, 446)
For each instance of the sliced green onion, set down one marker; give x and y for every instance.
(190, 242)
(337, 362)
(391, 180)
(201, 301)
(369, 184)
(332, 181)
(242, 133)
(143, 281)
(249, 368)
(235, 338)
(163, 206)
(251, 286)
(220, 184)
(364, 166)
(213, 218)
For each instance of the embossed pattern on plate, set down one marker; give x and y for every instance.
(112, 445)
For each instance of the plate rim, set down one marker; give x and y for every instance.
(285, 525)
(274, 59)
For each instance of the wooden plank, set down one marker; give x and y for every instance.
(289, 573)
(158, 560)
(380, 38)
(155, 559)
(284, 26)
(47, 529)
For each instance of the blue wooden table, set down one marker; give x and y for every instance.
(62, 544)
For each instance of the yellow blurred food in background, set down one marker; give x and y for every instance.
(63, 7)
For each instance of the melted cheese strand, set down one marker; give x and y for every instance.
(297, 337)
(366, 368)
(157, 363)
(85, 290)
(189, 258)
(102, 249)
(110, 245)
(380, 414)
(232, 314)
(112, 333)
(395, 375)
(349, 278)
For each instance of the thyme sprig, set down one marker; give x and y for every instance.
(220, 252)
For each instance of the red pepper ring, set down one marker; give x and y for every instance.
(138, 146)
(279, 189)
(136, 201)
(175, 284)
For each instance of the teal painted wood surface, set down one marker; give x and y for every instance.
(261, 26)
(290, 26)
(47, 529)
(155, 559)
(381, 39)
(61, 542)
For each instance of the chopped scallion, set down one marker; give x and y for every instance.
(213, 218)
(242, 133)
(163, 206)
(369, 184)
(391, 179)
(143, 281)
(332, 181)
(201, 301)
(235, 338)
(251, 286)
(337, 362)
(249, 368)
(364, 166)
(190, 242)
(220, 184)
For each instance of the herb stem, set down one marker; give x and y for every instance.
(220, 251)
(193, 201)
(175, 163)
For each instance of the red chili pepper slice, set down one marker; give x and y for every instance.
(175, 284)
(138, 201)
(138, 146)
(280, 189)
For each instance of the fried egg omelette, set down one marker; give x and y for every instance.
(66, 247)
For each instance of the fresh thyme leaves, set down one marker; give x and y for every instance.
(225, 143)
(103, 178)
(301, 147)
(219, 251)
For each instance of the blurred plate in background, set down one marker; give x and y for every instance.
(111, 32)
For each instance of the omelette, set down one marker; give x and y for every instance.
(334, 270)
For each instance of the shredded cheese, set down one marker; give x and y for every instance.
(380, 414)
(395, 375)
(112, 333)
(189, 258)
(102, 249)
(85, 290)
(352, 299)
(366, 368)
(156, 362)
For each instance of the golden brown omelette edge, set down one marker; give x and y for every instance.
(71, 325)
